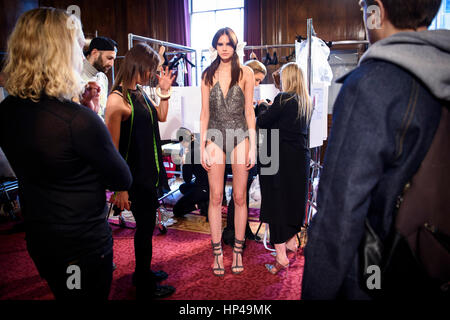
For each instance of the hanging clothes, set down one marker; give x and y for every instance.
(320, 52)
(180, 74)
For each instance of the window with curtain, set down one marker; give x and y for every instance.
(208, 16)
(442, 20)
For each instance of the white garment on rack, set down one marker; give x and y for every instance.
(320, 52)
(180, 74)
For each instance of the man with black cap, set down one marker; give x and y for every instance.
(99, 59)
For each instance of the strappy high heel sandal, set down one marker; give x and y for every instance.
(274, 269)
(236, 251)
(217, 252)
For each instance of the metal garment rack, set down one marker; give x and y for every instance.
(315, 156)
(259, 47)
(269, 46)
(180, 48)
(349, 42)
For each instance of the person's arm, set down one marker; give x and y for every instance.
(361, 143)
(268, 115)
(249, 86)
(91, 96)
(165, 81)
(276, 76)
(93, 143)
(117, 111)
(261, 107)
(204, 120)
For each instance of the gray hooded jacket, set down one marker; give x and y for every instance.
(425, 54)
(384, 120)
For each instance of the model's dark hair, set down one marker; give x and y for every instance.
(138, 60)
(236, 71)
(410, 14)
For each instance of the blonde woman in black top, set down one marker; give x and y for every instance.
(284, 194)
(62, 155)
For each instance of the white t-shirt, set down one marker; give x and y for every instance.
(91, 74)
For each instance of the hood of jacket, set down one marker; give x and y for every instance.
(425, 54)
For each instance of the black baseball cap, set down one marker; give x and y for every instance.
(102, 44)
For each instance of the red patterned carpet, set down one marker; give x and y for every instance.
(184, 255)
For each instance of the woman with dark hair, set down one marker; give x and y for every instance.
(132, 119)
(227, 135)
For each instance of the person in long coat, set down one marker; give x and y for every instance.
(284, 191)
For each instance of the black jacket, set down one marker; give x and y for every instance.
(64, 159)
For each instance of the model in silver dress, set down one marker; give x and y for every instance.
(227, 126)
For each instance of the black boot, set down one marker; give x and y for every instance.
(274, 59)
(268, 59)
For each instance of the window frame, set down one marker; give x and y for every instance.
(191, 13)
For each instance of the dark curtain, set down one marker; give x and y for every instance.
(179, 28)
(252, 25)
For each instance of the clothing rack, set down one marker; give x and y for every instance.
(315, 156)
(310, 34)
(348, 42)
(180, 48)
(259, 47)
(269, 46)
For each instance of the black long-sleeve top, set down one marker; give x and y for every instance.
(64, 159)
(283, 115)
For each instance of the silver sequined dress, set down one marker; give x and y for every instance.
(227, 126)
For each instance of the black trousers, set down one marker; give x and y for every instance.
(192, 195)
(87, 278)
(143, 206)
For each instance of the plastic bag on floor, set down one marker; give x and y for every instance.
(255, 191)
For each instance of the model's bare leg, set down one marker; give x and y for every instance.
(291, 244)
(240, 176)
(215, 178)
(280, 249)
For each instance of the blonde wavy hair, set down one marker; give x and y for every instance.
(256, 66)
(292, 81)
(45, 55)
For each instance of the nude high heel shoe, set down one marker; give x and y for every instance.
(274, 269)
